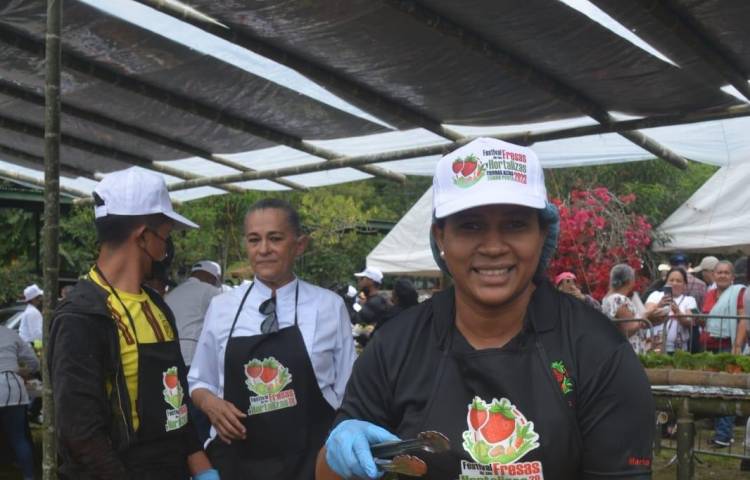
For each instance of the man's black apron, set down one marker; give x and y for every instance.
(160, 447)
(508, 413)
(270, 377)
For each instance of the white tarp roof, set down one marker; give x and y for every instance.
(709, 220)
(716, 218)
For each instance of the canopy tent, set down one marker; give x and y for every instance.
(272, 95)
(716, 218)
(405, 250)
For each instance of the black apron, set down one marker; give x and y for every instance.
(270, 377)
(523, 427)
(163, 414)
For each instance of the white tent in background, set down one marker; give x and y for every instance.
(406, 248)
(716, 218)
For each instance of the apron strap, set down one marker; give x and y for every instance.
(114, 292)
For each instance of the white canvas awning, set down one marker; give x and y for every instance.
(406, 248)
(716, 218)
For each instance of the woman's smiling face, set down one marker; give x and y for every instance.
(492, 252)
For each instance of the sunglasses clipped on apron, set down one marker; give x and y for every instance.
(270, 377)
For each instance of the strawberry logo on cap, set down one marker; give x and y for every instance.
(467, 171)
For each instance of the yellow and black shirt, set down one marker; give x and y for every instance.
(151, 326)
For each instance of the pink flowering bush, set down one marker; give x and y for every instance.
(597, 231)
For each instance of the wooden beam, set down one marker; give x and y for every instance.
(341, 162)
(681, 25)
(7, 88)
(19, 177)
(358, 93)
(81, 64)
(110, 152)
(527, 73)
(441, 149)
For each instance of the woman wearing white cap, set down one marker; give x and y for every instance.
(525, 381)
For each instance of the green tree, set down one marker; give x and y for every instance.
(659, 187)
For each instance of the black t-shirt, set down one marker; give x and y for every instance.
(372, 311)
(393, 378)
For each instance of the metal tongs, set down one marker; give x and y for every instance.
(396, 456)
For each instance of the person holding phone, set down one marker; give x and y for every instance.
(670, 306)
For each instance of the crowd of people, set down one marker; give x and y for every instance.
(687, 309)
(520, 372)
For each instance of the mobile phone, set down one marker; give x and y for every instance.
(667, 290)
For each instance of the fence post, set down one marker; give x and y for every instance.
(685, 439)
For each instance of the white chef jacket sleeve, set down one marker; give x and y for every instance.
(204, 371)
(36, 325)
(23, 328)
(345, 355)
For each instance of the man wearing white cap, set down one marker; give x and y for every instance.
(706, 270)
(119, 380)
(375, 305)
(30, 329)
(189, 302)
(524, 380)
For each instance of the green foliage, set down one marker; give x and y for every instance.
(713, 362)
(78, 246)
(18, 249)
(334, 217)
(659, 187)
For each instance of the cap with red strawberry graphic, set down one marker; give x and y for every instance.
(488, 171)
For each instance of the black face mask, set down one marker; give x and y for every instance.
(160, 268)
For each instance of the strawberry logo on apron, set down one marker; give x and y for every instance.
(177, 416)
(267, 379)
(498, 437)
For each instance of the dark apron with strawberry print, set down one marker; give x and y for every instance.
(162, 412)
(280, 443)
(504, 412)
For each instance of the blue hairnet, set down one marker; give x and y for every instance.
(549, 217)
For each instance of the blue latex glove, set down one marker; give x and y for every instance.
(209, 474)
(348, 448)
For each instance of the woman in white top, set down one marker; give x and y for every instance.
(617, 305)
(662, 307)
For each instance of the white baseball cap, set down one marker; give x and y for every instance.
(707, 263)
(207, 266)
(372, 273)
(135, 191)
(487, 171)
(31, 292)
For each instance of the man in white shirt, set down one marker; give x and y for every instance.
(189, 302)
(706, 270)
(273, 360)
(30, 329)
